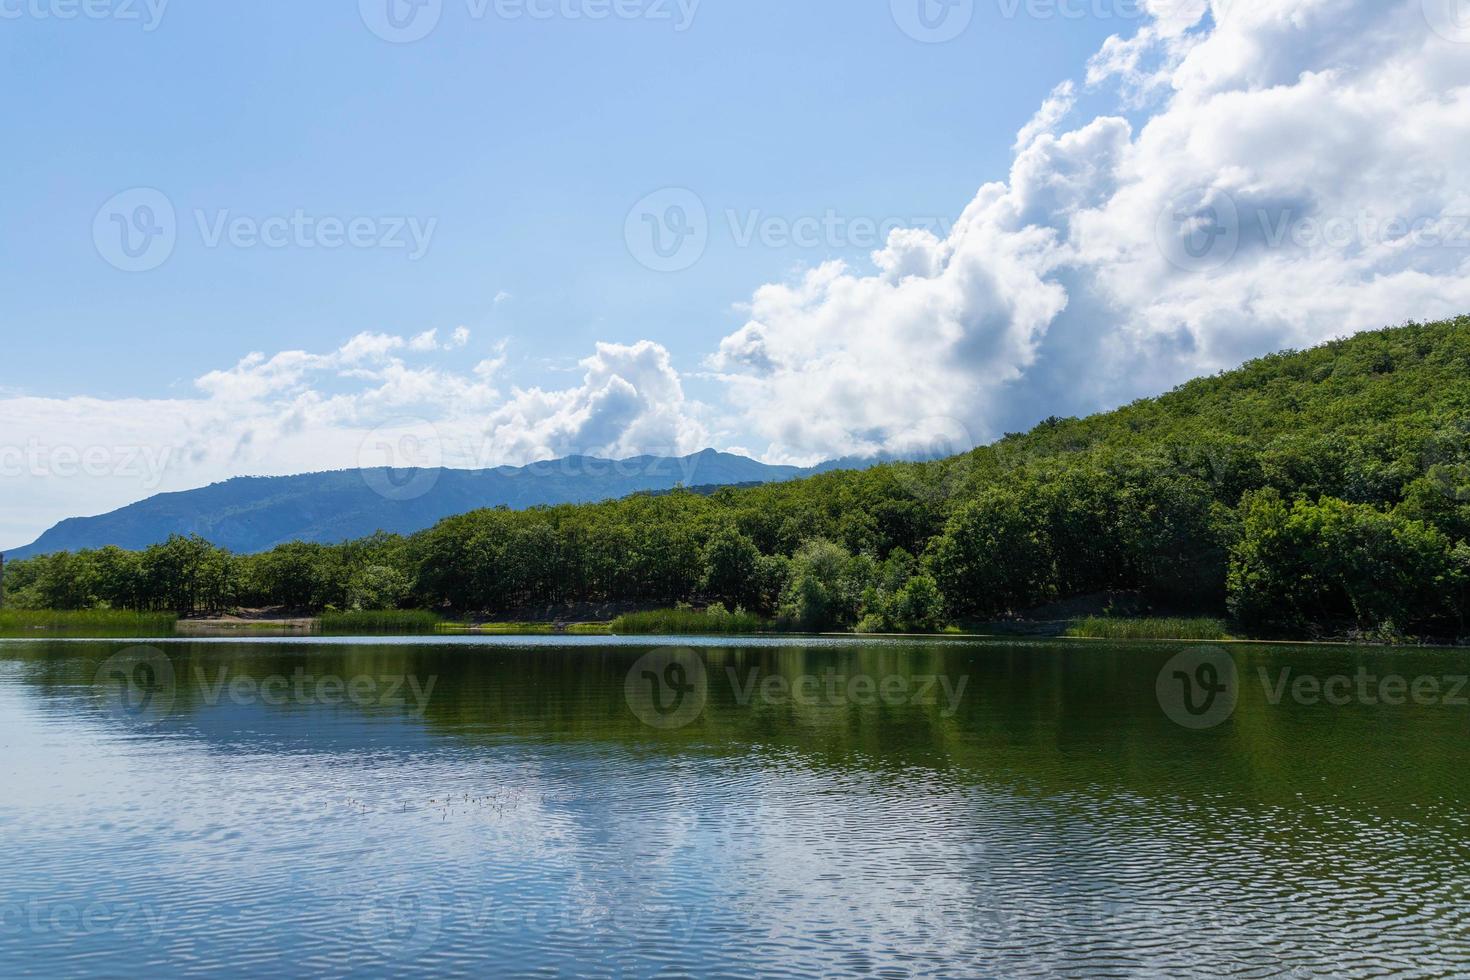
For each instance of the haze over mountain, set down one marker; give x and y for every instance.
(251, 514)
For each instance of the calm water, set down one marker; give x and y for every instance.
(558, 808)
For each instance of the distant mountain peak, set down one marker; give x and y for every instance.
(255, 513)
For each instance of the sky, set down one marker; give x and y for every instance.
(282, 237)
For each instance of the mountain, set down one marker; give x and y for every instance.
(1310, 493)
(252, 514)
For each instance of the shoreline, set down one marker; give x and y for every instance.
(301, 628)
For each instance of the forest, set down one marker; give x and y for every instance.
(1308, 493)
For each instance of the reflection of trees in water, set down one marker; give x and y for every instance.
(1043, 718)
(1055, 800)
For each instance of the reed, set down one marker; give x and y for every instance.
(679, 622)
(85, 623)
(370, 622)
(1153, 628)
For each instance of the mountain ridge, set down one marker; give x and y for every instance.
(250, 514)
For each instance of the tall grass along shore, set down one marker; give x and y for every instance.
(673, 622)
(85, 622)
(1161, 628)
(407, 622)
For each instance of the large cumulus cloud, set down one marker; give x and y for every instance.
(631, 401)
(1270, 173)
(1296, 173)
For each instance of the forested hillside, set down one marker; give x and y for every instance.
(1317, 491)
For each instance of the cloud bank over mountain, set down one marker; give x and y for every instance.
(1266, 174)
(1280, 172)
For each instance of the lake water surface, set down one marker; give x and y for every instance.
(603, 807)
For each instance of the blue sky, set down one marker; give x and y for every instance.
(282, 236)
(527, 141)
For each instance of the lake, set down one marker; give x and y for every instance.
(777, 807)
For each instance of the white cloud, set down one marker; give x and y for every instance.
(1285, 136)
(1052, 111)
(631, 401)
(297, 412)
(1273, 175)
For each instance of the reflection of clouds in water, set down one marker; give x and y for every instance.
(530, 821)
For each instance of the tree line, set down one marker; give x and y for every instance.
(1306, 492)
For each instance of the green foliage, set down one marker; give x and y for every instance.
(995, 555)
(688, 622)
(377, 587)
(730, 562)
(915, 606)
(1153, 628)
(1331, 562)
(381, 621)
(1308, 491)
(825, 587)
(89, 623)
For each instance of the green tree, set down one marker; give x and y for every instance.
(823, 592)
(1318, 563)
(731, 561)
(994, 556)
(377, 587)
